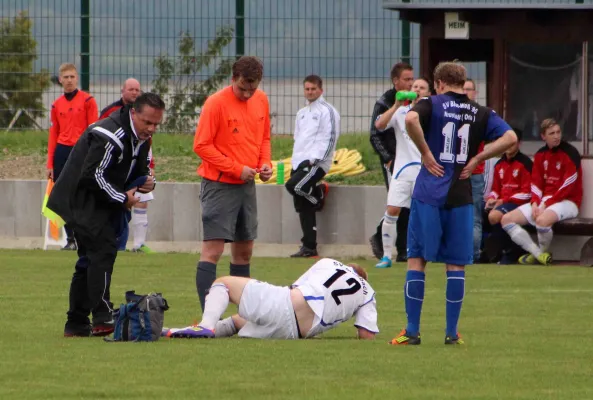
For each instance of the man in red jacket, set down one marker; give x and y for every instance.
(511, 188)
(129, 93)
(556, 194)
(71, 114)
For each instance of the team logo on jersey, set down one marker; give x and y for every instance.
(558, 165)
(515, 172)
(501, 173)
(545, 165)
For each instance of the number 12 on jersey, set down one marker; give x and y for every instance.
(447, 154)
(353, 286)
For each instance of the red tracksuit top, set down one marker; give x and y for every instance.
(557, 175)
(512, 179)
(69, 119)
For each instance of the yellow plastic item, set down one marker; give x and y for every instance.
(346, 162)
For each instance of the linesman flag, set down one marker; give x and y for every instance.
(55, 221)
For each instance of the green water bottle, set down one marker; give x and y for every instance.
(280, 173)
(404, 95)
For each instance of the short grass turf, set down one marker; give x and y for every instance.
(528, 334)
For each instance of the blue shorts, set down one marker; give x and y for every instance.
(439, 234)
(506, 207)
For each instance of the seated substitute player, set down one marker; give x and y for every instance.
(447, 127)
(405, 170)
(511, 188)
(556, 194)
(328, 294)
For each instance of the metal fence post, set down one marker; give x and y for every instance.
(405, 41)
(240, 27)
(85, 48)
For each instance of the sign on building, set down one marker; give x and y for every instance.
(454, 27)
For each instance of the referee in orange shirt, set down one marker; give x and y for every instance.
(233, 141)
(71, 114)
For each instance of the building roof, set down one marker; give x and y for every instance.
(485, 4)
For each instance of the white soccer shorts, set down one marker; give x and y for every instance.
(268, 311)
(400, 193)
(564, 209)
(144, 197)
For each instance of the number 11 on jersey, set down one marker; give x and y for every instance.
(447, 154)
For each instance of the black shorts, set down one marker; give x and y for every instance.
(229, 212)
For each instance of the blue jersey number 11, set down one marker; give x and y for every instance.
(449, 134)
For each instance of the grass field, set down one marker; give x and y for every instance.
(23, 156)
(528, 332)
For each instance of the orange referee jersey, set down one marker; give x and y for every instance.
(232, 134)
(69, 119)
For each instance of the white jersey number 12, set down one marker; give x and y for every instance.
(463, 134)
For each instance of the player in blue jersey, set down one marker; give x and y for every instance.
(447, 129)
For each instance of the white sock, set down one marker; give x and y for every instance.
(389, 234)
(217, 301)
(140, 226)
(522, 238)
(225, 328)
(544, 237)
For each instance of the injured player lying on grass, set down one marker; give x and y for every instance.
(328, 294)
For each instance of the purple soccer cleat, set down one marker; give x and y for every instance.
(189, 332)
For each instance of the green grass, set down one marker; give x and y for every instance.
(175, 158)
(528, 332)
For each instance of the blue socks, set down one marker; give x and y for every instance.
(414, 296)
(455, 293)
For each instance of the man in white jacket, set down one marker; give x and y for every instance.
(316, 132)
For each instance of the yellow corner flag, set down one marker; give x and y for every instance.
(56, 222)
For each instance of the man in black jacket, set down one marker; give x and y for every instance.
(106, 167)
(402, 77)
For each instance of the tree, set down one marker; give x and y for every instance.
(178, 79)
(20, 87)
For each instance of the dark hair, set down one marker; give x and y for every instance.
(422, 78)
(398, 68)
(314, 79)
(518, 132)
(149, 99)
(249, 68)
(451, 73)
(472, 81)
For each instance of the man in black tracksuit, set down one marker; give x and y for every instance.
(96, 188)
(402, 77)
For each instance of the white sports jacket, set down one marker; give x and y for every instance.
(316, 132)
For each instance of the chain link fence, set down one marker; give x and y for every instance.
(183, 43)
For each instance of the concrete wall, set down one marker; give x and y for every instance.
(349, 218)
(175, 214)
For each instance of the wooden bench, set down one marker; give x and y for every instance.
(576, 227)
